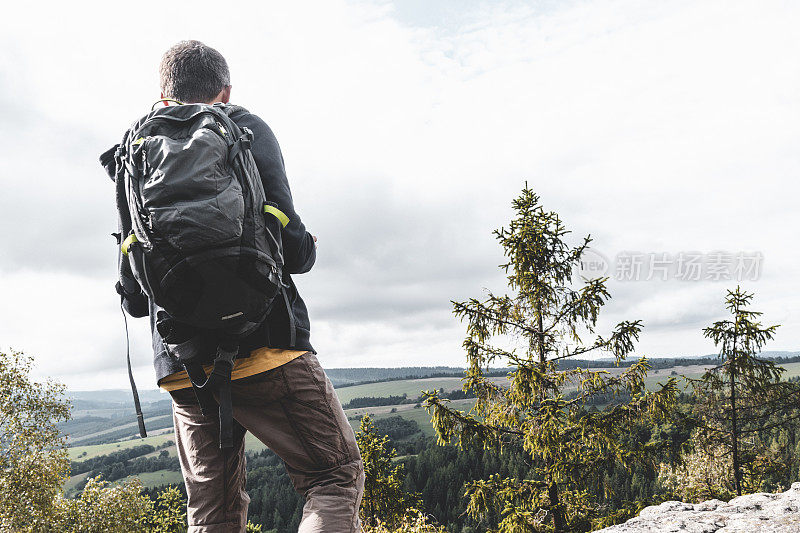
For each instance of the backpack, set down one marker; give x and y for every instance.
(199, 237)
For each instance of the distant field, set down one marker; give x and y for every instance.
(171, 450)
(411, 387)
(105, 412)
(252, 444)
(655, 377)
(104, 449)
(407, 411)
(157, 478)
(152, 422)
(148, 479)
(421, 416)
(792, 370)
(72, 483)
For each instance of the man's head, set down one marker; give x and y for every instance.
(192, 72)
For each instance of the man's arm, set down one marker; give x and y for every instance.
(298, 244)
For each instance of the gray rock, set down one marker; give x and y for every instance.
(752, 513)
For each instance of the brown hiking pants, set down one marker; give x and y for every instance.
(294, 410)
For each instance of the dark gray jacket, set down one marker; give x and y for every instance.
(299, 257)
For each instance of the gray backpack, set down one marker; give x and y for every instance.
(199, 236)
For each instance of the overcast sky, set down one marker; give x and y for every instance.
(407, 128)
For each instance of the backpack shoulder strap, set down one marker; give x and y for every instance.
(231, 109)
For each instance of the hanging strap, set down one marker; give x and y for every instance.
(225, 414)
(136, 403)
(121, 291)
(203, 394)
(292, 325)
(220, 381)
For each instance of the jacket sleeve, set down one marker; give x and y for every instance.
(298, 244)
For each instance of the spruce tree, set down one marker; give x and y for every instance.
(384, 500)
(739, 398)
(549, 315)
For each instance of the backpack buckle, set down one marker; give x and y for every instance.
(241, 144)
(245, 141)
(226, 353)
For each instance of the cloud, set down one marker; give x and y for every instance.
(58, 210)
(407, 129)
(70, 324)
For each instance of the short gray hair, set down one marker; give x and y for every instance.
(191, 71)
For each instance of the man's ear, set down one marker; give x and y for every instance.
(225, 95)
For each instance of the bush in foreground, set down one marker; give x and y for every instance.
(34, 466)
(415, 521)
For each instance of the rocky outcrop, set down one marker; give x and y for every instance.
(752, 513)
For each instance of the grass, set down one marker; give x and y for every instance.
(157, 478)
(421, 416)
(96, 450)
(71, 484)
(654, 382)
(152, 422)
(659, 376)
(412, 387)
(792, 370)
(172, 451)
(148, 479)
(252, 444)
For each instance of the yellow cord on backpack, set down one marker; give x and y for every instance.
(165, 100)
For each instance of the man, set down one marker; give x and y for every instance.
(280, 395)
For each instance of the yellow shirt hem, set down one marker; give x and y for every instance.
(260, 360)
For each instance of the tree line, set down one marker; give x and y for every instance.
(378, 401)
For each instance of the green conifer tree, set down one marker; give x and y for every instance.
(738, 399)
(384, 499)
(544, 319)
